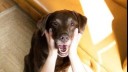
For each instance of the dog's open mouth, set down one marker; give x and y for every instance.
(63, 50)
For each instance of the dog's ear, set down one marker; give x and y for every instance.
(82, 20)
(41, 24)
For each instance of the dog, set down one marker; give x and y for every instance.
(63, 24)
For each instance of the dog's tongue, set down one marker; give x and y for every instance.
(62, 48)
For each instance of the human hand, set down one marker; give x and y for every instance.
(50, 42)
(75, 42)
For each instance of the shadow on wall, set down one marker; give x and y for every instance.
(119, 26)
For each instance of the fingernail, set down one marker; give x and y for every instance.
(50, 30)
(76, 29)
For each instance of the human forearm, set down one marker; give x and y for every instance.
(49, 65)
(76, 63)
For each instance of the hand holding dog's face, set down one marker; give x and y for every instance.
(50, 42)
(73, 46)
(75, 42)
(63, 23)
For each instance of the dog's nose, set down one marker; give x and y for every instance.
(64, 38)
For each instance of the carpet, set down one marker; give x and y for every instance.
(16, 29)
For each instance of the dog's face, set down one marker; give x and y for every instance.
(63, 24)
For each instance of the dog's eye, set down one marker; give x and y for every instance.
(72, 24)
(54, 23)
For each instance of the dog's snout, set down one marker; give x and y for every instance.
(64, 38)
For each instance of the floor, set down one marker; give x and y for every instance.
(16, 29)
(5, 4)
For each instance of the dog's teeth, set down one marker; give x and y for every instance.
(63, 50)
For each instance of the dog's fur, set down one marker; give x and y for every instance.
(63, 24)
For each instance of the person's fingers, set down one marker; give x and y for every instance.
(49, 38)
(47, 35)
(75, 33)
(79, 37)
(76, 38)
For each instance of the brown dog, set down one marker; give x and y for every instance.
(63, 24)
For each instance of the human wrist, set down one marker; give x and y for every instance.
(52, 56)
(53, 53)
(73, 54)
